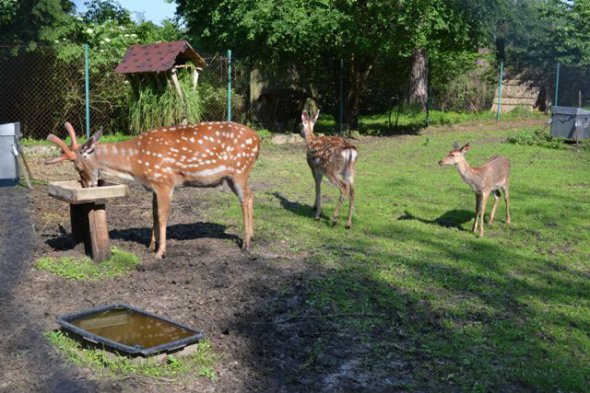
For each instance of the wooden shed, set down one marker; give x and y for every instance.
(158, 68)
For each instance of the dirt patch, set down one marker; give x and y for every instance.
(244, 303)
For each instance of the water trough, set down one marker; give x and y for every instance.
(129, 330)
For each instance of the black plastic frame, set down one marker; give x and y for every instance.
(64, 322)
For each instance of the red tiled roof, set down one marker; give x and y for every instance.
(158, 57)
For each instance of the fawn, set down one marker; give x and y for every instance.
(492, 176)
(333, 157)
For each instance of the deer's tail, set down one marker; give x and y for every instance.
(349, 154)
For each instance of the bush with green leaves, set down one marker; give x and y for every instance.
(536, 137)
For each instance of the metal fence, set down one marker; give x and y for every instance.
(42, 92)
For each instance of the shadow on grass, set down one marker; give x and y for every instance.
(451, 219)
(298, 208)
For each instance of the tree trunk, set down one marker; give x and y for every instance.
(418, 94)
(358, 72)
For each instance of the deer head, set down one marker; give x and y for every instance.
(455, 155)
(308, 123)
(81, 156)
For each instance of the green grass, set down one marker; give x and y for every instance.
(119, 264)
(507, 312)
(408, 121)
(201, 363)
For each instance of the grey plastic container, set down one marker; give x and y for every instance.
(8, 154)
(566, 120)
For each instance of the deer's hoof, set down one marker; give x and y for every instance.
(160, 255)
(317, 218)
(348, 225)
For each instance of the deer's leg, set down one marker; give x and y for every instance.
(477, 209)
(247, 208)
(507, 200)
(482, 212)
(350, 206)
(317, 177)
(164, 197)
(344, 192)
(242, 191)
(155, 229)
(496, 200)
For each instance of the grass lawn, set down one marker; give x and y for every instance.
(428, 304)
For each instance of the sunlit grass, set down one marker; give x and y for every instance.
(119, 264)
(198, 364)
(508, 312)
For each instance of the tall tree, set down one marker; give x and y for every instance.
(313, 36)
(29, 22)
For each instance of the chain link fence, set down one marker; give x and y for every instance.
(42, 92)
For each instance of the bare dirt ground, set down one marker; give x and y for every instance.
(242, 302)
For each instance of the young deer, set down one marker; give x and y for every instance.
(333, 157)
(492, 176)
(201, 155)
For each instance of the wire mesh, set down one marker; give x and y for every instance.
(42, 92)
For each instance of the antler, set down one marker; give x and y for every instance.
(72, 133)
(67, 154)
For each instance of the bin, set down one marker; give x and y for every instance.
(565, 120)
(8, 154)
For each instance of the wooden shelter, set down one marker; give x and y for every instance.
(163, 78)
(162, 57)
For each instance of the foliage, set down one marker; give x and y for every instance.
(200, 363)
(310, 38)
(536, 137)
(85, 269)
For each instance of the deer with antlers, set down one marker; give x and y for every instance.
(491, 177)
(201, 155)
(333, 157)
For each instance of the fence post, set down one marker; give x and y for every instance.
(556, 85)
(341, 97)
(229, 85)
(500, 90)
(86, 90)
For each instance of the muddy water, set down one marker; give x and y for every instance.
(131, 328)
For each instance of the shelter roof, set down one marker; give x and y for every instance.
(159, 57)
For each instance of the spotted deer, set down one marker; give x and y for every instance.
(492, 176)
(201, 155)
(333, 157)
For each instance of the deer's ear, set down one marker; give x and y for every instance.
(304, 116)
(465, 147)
(91, 143)
(315, 118)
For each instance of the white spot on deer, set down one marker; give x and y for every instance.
(249, 141)
(192, 139)
(174, 150)
(200, 141)
(184, 138)
(172, 128)
(209, 127)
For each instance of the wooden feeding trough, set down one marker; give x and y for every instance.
(88, 213)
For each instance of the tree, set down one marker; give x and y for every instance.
(30, 22)
(311, 37)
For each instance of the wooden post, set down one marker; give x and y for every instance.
(89, 226)
(99, 232)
